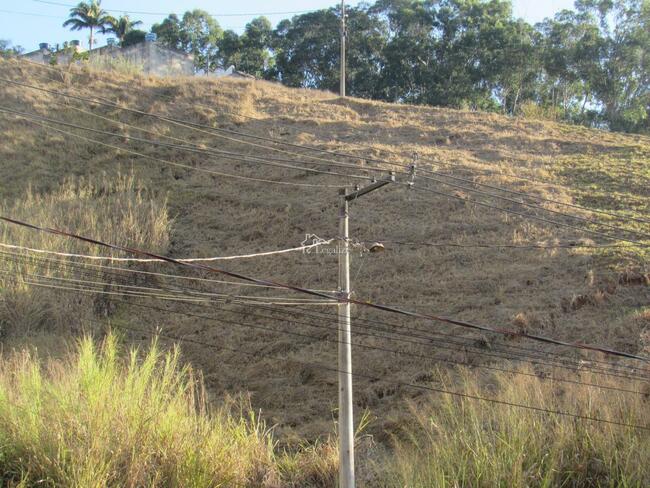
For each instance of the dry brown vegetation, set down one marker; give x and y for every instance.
(596, 296)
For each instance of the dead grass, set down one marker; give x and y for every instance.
(116, 208)
(219, 216)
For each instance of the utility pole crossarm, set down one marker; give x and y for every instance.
(367, 189)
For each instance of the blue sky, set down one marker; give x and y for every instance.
(29, 22)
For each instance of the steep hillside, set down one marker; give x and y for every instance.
(585, 294)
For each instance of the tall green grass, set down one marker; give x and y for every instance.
(115, 209)
(460, 442)
(108, 417)
(105, 416)
(95, 420)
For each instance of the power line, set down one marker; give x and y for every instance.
(409, 385)
(347, 155)
(530, 205)
(139, 271)
(571, 245)
(31, 14)
(212, 131)
(180, 165)
(298, 289)
(186, 142)
(149, 292)
(186, 260)
(213, 152)
(139, 12)
(523, 215)
(58, 17)
(383, 161)
(260, 161)
(81, 268)
(300, 334)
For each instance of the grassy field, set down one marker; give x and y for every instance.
(104, 415)
(55, 175)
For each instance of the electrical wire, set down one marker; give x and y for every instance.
(212, 129)
(383, 161)
(185, 260)
(531, 205)
(80, 268)
(180, 165)
(158, 296)
(186, 142)
(299, 334)
(298, 289)
(139, 12)
(571, 245)
(375, 378)
(562, 224)
(523, 215)
(234, 156)
(142, 272)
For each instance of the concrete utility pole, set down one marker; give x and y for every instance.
(346, 418)
(343, 36)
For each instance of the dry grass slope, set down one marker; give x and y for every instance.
(116, 208)
(598, 296)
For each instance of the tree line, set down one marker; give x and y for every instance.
(589, 65)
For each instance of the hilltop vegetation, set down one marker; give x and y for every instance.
(589, 65)
(95, 183)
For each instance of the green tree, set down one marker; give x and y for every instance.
(250, 52)
(88, 16)
(624, 88)
(197, 33)
(255, 47)
(516, 65)
(230, 46)
(407, 50)
(307, 51)
(134, 36)
(168, 32)
(122, 26)
(7, 50)
(571, 55)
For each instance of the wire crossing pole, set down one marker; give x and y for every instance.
(343, 35)
(346, 416)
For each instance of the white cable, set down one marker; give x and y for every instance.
(320, 242)
(151, 273)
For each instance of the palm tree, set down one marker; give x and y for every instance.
(122, 26)
(88, 16)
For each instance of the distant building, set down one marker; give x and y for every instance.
(151, 56)
(154, 58)
(47, 54)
